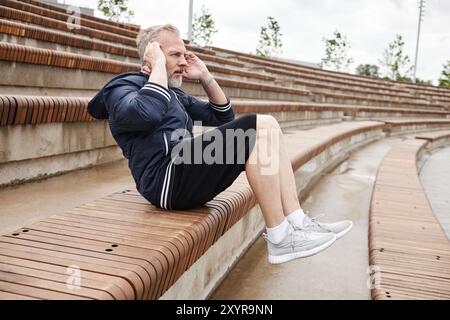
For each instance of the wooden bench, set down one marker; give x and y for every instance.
(409, 252)
(128, 249)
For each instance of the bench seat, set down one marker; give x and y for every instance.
(409, 251)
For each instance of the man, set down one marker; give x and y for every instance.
(147, 109)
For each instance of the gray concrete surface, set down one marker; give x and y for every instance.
(341, 271)
(24, 204)
(435, 178)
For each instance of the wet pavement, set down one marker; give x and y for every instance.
(435, 178)
(339, 272)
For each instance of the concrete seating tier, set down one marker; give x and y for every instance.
(429, 89)
(310, 70)
(54, 58)
(333, 97)
(37, 56)
(24, 54)
(19, 110)
(37, 33)
(42, 132)
(35, 19)
(92, 30)
(64, 17)
(279, 66)
(108, 44)
(50, 37)
(126, 26)
(318, 87)
(396, 126)
(409, 251)
(349, 112)
(324, 79)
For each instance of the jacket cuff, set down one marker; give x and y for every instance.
(221, 107)
(157, 91)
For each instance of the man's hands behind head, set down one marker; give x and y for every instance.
(153, 55)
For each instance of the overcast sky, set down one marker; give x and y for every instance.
(368, 24)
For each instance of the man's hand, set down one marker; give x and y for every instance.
(153, 55)
(155, 64)
(196, 68)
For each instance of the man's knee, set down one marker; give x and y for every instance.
(266, 121)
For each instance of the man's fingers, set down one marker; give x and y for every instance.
(189, 55)
(145, 69)
(152, 45)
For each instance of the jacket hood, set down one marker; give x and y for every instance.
(96, 106)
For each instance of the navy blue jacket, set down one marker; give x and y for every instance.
(142, 116)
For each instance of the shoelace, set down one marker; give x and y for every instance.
(315, 221)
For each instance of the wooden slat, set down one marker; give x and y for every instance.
(406, 242)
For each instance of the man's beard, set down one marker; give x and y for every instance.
(176, 80)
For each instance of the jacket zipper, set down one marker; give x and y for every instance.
(185, 113)
(165, 142)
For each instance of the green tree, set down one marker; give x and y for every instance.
(444, 80)
(369, 70)
(203, 28)
(410, 80)
(420, 81)
(396, 64)
(336, 53)
(115, 10)
(269, 44)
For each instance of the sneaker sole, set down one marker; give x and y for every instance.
(303, 254)
(343, 232)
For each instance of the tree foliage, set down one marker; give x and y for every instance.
(269, 44)
(203, 28)
(336, 53)
(444, 80)
(396, 64)
(369, 70)
(115, 10)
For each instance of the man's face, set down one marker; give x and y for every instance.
(174, 50)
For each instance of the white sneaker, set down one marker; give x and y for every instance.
(298, 243)
(339, 228)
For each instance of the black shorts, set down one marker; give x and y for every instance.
(200, 178)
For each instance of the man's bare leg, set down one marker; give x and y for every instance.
(275, 190)
(266, 186)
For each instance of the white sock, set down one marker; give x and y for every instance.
(296, 217)
(277, 234)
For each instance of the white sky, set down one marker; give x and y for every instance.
(368, 24)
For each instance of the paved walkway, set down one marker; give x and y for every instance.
(435, 178)
(341, 271)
